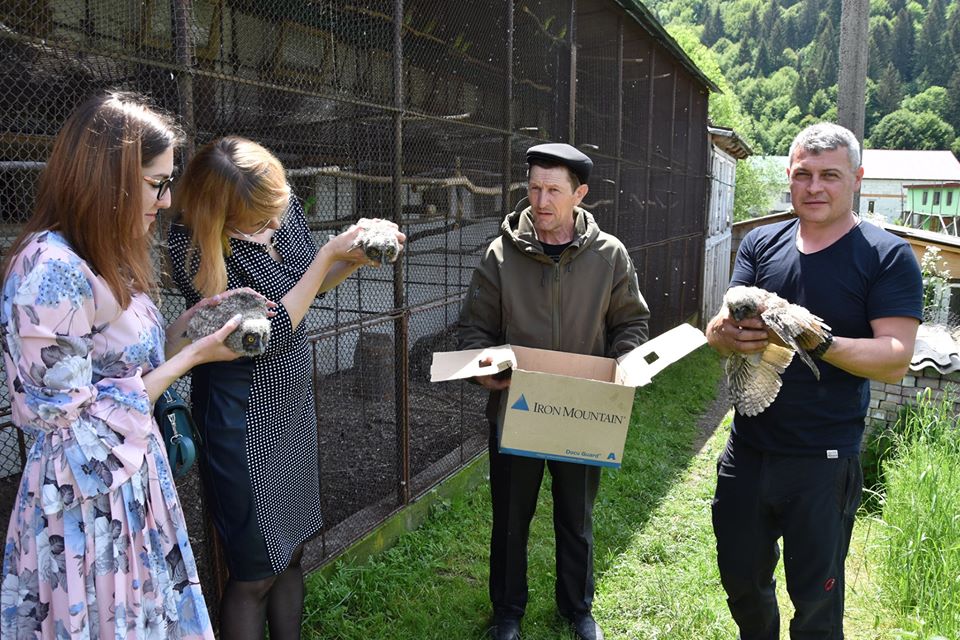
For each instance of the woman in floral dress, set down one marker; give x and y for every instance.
(96, 546)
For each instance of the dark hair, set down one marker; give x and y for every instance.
(90, 189)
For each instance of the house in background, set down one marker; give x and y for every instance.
(886, 174)
(933, 207)
(726, 148)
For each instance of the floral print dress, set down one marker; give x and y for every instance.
(96, 546)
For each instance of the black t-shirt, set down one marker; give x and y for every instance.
(867, 274)
(554, 250)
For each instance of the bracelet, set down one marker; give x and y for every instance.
(818, 351)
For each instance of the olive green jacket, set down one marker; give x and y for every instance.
(589, 302)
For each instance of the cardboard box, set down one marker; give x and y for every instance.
(565, 406)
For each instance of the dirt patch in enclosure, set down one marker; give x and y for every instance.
(361, 444)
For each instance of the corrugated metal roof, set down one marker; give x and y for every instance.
(890, 164)
(935, 347)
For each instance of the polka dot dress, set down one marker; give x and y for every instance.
(270, 504)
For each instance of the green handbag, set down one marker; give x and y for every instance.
(178, 430)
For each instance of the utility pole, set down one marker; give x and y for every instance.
(852, 79)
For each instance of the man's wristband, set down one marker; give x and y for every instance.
(818, 351)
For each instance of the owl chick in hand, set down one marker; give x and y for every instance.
(754, 378)
(378, 239)
(253, 334)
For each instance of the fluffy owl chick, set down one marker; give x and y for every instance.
(378, 239)
(253, 334)
(754, 379)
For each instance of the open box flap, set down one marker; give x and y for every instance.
(456, 365)
(653, 356)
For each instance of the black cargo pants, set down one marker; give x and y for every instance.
(810, 502)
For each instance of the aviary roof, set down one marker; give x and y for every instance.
(646, 19)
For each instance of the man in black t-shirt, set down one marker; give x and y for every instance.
(793, 471)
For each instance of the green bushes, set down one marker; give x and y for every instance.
(920, 553)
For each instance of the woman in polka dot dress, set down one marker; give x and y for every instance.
(239, 227)
(96, 546)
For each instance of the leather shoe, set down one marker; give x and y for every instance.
(586, 628)
(505, 629)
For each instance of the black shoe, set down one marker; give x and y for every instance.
(505, 629)
(586, 628)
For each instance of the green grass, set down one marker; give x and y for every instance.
(920, 548)
(655, 560)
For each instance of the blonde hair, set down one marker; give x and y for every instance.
(89, 191)
(230, 182)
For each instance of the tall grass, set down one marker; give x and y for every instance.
(921, 510)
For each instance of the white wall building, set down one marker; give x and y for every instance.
(886, 172)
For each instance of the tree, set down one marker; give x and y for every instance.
(743, 54)
(903, 42)
(809, 14)
(951, 37)
(952, 116)
(761, 65)
(751, 28)
(758, 185)
(800, 96)
(881, 8)
(820, 103)
(889, 91)
(713, 28)
(904, 129)
(934, 99)
(790, 34)
(834, 9)
(776, 47)
(825, 48)
(878, 49)
(928, 52)
(770, 17)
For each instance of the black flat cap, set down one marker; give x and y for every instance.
(564, 154)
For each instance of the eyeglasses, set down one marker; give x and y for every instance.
(249, 236)
(162, 185)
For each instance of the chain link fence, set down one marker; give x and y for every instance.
(415, 110)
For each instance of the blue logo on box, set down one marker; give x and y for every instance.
(521, 404)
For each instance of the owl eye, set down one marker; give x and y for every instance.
(249, 338)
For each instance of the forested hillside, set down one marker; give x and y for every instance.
(777, 61)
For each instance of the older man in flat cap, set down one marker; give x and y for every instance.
(551, 280)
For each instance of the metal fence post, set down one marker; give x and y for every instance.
(400, 325)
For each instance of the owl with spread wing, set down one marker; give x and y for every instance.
(754, 378)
